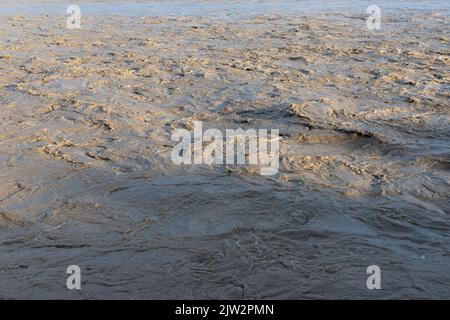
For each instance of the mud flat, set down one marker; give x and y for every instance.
(87, 179)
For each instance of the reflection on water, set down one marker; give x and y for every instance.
(216, 8)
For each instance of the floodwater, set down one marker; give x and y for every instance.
(85, 146)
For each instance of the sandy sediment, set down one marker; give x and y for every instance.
(87, 178)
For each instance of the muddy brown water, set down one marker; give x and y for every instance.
(87, 179)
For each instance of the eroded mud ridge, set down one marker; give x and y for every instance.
(86, 176)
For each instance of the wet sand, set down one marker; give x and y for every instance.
(87, 179)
